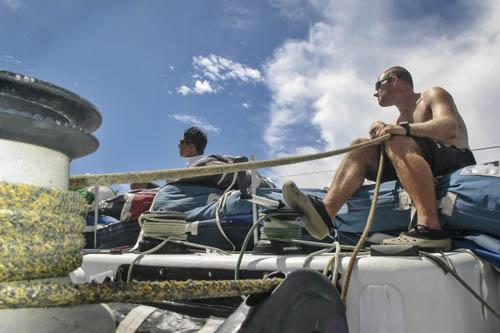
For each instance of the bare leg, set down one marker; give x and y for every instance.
(350, 176)
(416, 177)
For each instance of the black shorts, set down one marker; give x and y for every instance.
(442, 159)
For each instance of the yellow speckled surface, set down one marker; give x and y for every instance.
(40, 237)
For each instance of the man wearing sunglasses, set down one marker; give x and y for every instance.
(192, 145)
(429, 139)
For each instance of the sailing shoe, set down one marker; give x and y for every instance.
(316, 220)
(423, 237)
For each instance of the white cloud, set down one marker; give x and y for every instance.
(202, 87)
(325, 81)
(245, 105)
(195, 121)
(184, 90)
(219, 68)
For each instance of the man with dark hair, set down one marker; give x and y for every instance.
(192, 145)
(429, 138)
(401, 73)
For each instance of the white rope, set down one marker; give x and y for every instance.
(140, 256)
(221, 203)
(336, 265)
(311, 256)
(483, 289)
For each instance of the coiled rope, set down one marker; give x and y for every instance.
(41, 241)
(165, 226)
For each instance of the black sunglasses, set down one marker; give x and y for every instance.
(379, 83)
(184, 141)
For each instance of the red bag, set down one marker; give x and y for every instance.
(137, 203)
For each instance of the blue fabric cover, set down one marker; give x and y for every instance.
(113, 235)
(235, 227)
(486, 247)
(101, 219)
(388, 216)
(477, 206)
(192, 200)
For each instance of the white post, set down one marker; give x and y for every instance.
(254, 185)
(96, 213)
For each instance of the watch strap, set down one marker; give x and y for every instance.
(406, 126)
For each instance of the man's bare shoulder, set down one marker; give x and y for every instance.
(433, 94)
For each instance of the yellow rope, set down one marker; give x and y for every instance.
(40, 237)
(122, 178)
(361, 242)
(40, 231)
(48, 294)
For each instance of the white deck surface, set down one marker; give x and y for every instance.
(386, 294)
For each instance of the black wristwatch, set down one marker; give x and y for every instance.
(406, 126)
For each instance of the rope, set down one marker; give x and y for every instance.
(336, 264)
(245, 244)
(158, 225)
(485, 148)
(447, 269)
(371, 214)
(40, 232)
(35, 294)
(221, 203)
(207, 248)
(311, 256)
(482, 285)
(41, 240)
(278, 229)
(142, 255)
(121, 178)
(335, 260)
(163, 224)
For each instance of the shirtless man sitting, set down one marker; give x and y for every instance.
(429, 139)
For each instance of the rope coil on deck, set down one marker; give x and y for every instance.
(41, 238)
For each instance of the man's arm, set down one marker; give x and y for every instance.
(444, 124)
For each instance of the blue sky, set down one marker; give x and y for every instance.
(271, 78)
